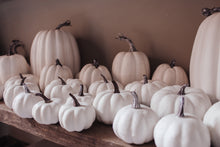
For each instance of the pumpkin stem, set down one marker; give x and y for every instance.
(135, 104)
(22, 81)
(173, 63)
(46, 100)
(129, 41)
(62, 81)
(95, 63)
(21, 76)
(115, 87)
(75, 100)
(182, 90)
(66, 23)
(207, 12)
(104, 78)
(58, 62)
(26, 89)
(17, 43)
(145, 79)
(81, 90)
(181, 109)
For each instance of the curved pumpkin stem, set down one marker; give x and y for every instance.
(129, 41)
(46, 100)
(135, 104)
(182, 90)
(75, 100)
(66, 23)
(104, 78)
(22, 81)
(181, 109)
(58, 62)
(62, 81)
(173, 63)
(145, 79)
(207, 12)
(115, 87)
(26, 89)
(95, 63)
(81, 90)
(13, 47)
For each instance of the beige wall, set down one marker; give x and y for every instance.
(163, 29)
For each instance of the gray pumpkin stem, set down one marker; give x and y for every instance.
(135, 104)
(81, 90)
(104, 78)
(62, 81)
(66, 23)
(207, 11)
(115, 87)
(26, 89)
(181, 109)
(182, 90)
(58, 62)
(145, 79)
(46, 100)
(75, 100)
(129, 41)
(173, 63)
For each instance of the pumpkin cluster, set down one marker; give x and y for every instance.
(165, 108)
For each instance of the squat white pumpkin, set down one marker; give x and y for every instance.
(76, 117)
(181, 130)
(135, 124)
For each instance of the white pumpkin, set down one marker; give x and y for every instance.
(204, 62)
(49, 45)
(107, 103)
(130, 66)
(84, 98)
(135, 124)
(212, 121)
(170, 74)
(181, 130)
(52, 72)
(166, 101)
(61, 88)
(145, 89)
(91, 73)
(76, 117)
(102, 85)
(46, 111)
(24, 102)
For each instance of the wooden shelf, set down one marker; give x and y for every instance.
(98, 135)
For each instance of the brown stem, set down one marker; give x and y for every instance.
(95, 63)
(135, 104)
(75, 100)
(173, 63)
(182, 90)
(22, 81)
(58, 62)
(26, 89)
(145, 79)
(21, 76)
(115, 87)
(66, 23)
(62, 81)
(104, 78)
(46, 100)
(207, 12)
(17, 43)
(181, 109)
(129, 41)
(81, 90)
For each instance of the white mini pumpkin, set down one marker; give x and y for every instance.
(52, 72)
(24, 102)
(84, 98)
(107, 103)
(135, 124)
(91, 73)
(76, 117)
(166, 101)
(145, 89)
(181, 130)
(102, 85)
(46, 111)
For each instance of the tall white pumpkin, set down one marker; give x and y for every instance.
(205, 61)
(48, 45)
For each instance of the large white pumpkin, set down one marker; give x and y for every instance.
(204, 63)
(48, 45)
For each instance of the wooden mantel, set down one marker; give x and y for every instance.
(98, 135)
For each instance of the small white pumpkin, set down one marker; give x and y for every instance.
(52, 72)
(107, 103)
(46, 111)
(135, 124)
(76, 117)
(84, 98)
(91, 73)
(181, 130)
(102, 85)
(145, 89)
(170, 74)
(24, 102)
(212, 121)
(166, 101)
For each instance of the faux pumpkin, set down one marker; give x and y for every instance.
(102, 85)
(181, 130)
(130, 66)
(166, 101)
(84, 98)
(204, 62)
(24, 102)
(91, 73)
(107, 103)
(76, 117)
(46, 111)
(212, 121)
(52, 72)
(135, 124)
(49, 45)
(145, 89)
(16, 62)
(170, 74)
